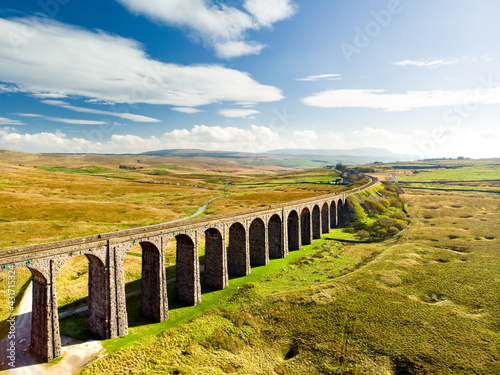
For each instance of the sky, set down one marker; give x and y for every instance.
(420, 78)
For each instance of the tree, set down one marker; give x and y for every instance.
(340, 167)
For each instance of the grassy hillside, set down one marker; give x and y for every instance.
(56, 197)
(424, 303)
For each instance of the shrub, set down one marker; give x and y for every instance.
(375, 207)
(392, 231)
(386, 203)
(363, 234)
(359, 225)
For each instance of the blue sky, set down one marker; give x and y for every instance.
(420, 78)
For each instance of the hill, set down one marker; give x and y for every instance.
(293, 157)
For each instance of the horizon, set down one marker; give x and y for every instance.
(280, 152)
(414, 78)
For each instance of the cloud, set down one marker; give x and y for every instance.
(49, 96)
(383, 138)
(75, 121)
(62, 60)
(218, 25)
(63, 120)
(269, 12)
(306, 135)
(469, 142)
(233, 113)
(186, 110)
(433, 63)
(8, 121)
(233, 48)
(126, 116)
(380, 99)
(329, 77)
(27, 114)
(254, 139)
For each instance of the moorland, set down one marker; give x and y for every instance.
(426, 301)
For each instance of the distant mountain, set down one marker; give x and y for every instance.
(203, 153)
(357, 152)
(294, 157)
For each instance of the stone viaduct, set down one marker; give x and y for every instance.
(233, 243)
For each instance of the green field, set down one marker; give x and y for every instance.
(483, 172)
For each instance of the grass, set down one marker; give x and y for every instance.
(179, 313)
(90, 170)
(467, 173)
(424, 303)
(79, 198)
(22, 277)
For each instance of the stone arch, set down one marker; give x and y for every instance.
(305, 226)
(187, 271)
(275, 237)
(293, 229)
(238, 252)
(259, 253)
(333, 214)
(215, 273)
(89, 271)
(325, 216)
(316, 222)
(154, 304)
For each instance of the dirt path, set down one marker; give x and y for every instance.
(76, 354)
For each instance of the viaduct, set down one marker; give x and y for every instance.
(253, 237)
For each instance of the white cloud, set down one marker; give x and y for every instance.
(8, 121)
(221, 26)
(433, 63)
(328, 77)
(306, 136)
(452, 143)
(8, 88)
(27, 114)
(49, 96)
(382, 138)
(380, 99)
(41, 142)
(62, 60)
(75, 121)
(63, 120)
(123, 115)
(269, 12)
(186, 110)
(254, 139)
(233, 113)
(233, 48)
